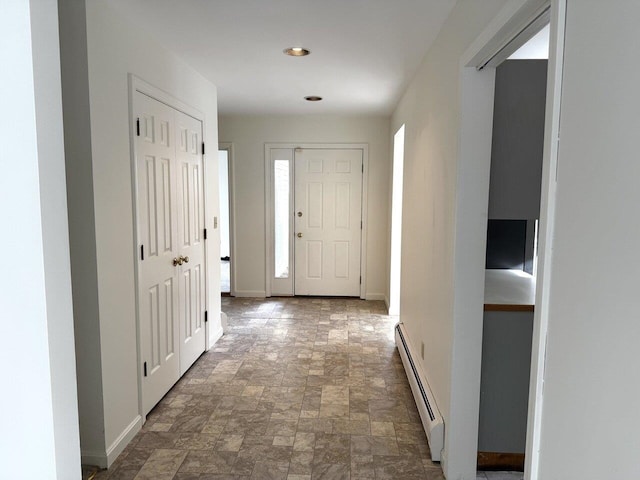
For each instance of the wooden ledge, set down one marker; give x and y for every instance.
(501, 461)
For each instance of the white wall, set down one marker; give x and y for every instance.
(249, 134)
(82, 232)
(55, 232)
(116, 48)
(39, 415)
(430, 110)
(590, 414)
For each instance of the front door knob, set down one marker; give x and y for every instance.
(177, 261)
(299, 235)
(185, 259)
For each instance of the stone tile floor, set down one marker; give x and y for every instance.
(298, 389)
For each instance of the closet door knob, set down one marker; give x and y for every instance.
(177, 261)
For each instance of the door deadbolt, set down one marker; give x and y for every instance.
(299, 214)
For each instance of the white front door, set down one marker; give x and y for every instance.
(328, 221)
(170, 223)
(190, 199)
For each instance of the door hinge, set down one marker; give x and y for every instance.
(206, 315)
(145, 368)
(360, 279)
(360, 224)
(138, 127)
(205, 233)
(203, 148)
(363, 168)
(141, 252)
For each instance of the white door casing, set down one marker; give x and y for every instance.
(328, 221)
(170, 223)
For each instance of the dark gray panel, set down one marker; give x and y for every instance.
(518, 138)
(504, 387)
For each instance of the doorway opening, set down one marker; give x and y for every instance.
(478, 83)
(225, 219)
(513, 212)
(314, 199)
(396, 223)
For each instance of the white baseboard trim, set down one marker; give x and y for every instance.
(123, 440)
(251, 293)
(374, 296)
(106, 459)
(215, 335)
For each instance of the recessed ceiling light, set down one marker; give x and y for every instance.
(296, 51)
(313, 98)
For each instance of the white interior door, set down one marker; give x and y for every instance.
(328, 221)
(170, 229)
(157, 236)
(190, 239)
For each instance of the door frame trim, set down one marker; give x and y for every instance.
(136, 84)
(268, 209)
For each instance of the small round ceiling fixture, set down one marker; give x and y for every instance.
(313, 98)
(296, 51)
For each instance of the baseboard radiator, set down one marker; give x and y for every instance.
(432, 421)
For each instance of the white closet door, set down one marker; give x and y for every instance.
(328, 214)
(190, 201)
(158, 239)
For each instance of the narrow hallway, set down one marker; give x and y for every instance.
(299, 388)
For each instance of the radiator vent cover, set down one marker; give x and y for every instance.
(432, 421)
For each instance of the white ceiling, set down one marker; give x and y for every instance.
(364, 52)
